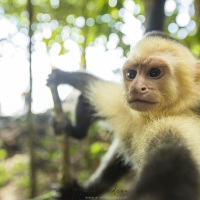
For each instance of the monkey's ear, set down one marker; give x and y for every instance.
(197, 78)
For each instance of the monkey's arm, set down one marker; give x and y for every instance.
(84, 115)
(110, 170)
(93, 99)
(79, 80)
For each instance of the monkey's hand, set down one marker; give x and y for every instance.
(72, 191)
(59, 127)
(55, 78)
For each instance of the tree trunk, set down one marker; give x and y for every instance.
(154, 15)
(30, 124)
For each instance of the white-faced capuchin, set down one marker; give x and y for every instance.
(155, 118)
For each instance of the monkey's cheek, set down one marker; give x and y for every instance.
(142, 106)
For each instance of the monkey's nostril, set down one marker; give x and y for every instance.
(143, 89)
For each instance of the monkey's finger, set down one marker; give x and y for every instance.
(53, 78)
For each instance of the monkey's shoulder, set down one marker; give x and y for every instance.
(180, 123)
(138, 140)
(141, 132)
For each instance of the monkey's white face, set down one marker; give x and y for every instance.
(145, 83)
(160, 76)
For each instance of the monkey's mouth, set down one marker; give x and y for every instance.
(142, 101)
(142, 105)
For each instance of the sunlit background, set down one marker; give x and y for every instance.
(104, 56)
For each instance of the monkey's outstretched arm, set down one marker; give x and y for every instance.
(84, 115)
(79, 80)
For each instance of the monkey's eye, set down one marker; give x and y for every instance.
(154, 72)
(131, 74)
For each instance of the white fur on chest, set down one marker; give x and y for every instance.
(135, 141)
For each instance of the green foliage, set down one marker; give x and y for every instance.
(3, 154)
(13, 167)
(73, 150)
(20, 167)
(5, 175)
(24, 182)
(97, 149)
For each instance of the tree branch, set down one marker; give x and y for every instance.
(62, 138)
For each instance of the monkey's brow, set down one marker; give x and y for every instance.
(150, 61)
(130, 64)
(154, 61)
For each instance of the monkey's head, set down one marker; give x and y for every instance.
(161, 75)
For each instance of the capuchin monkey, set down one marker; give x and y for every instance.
(154, 117)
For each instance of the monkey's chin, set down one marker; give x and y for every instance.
(143, 106)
